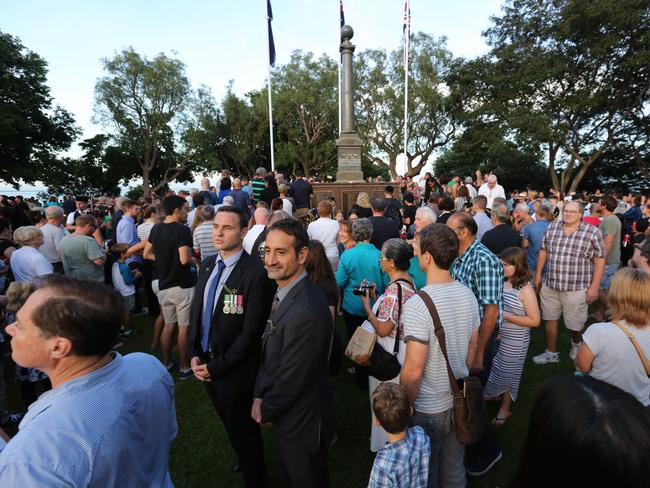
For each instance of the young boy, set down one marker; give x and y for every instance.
(124, 282)
(404, 462)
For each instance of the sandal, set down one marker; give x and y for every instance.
(499, 421)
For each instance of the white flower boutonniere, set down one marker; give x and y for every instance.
(270, 328)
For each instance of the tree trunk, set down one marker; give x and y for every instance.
(146, 186)
(552, 153)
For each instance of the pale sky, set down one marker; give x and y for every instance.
(219, 40)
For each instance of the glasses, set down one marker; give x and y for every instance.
(383, 259)
(572, 211)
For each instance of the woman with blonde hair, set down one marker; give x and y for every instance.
(362, 206)
(28, 263)
(618, 351)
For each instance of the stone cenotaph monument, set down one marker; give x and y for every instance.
(348, 145)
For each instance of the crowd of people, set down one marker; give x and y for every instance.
(247, 279)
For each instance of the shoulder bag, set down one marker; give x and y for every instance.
(383, 364)
(629, 335)
(468, 404)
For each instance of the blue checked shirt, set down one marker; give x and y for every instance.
(403, 464)
(481, 271)
(111, 427)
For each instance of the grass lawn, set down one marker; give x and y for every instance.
(201, 455)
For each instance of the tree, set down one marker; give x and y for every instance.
(156, 116)
(380, 92)
(102, 168)
(32, 129)
(566, 74)
(241, 134)
(305, 114)
(486, 147)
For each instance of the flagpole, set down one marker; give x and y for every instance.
(268, 24)
(407, 22)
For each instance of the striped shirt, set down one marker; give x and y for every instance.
(481, 271)
(569, 261)
(112, 427)
(459, 315)
(202, 240)
(258, 186)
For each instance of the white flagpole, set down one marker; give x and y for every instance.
(407, 20)
(271, 123)
(268, 27)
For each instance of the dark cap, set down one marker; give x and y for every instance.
(81, 198)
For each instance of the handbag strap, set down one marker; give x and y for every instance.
(630, 336)
(440, 334)
(399, 311)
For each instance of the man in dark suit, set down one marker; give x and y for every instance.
(292, 389)
(230, 307)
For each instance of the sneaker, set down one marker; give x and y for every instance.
(547, 357)
(481, 466)
(171, 366)
(574, 350)
(13, 419)
(128, 332)
(184, 374)
(143, 311)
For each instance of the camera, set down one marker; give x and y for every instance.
(363, 288)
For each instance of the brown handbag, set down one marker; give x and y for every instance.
(467, 392)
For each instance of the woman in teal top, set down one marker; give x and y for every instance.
(356, 264)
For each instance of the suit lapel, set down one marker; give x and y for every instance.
(286, 303)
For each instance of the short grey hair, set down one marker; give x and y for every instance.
(427, 214)
(26, 235)
(207, 213)
(522, 207)
(276, 216)
(53, 212)
(581, 206)
(361, 230)
(492, 178)
(500, 213)
(228, 200)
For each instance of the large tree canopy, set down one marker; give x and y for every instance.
(32, 130)
(568, 74)
(431, 106)
(155, 115)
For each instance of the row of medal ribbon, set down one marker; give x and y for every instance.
(233, 304)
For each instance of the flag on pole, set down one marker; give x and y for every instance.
(269, 15)
(407, 17)
(342, 14)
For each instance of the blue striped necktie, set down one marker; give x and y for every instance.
(209, 305)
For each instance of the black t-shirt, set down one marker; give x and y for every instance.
(166, 239)
(383, 229)
(362, 212)
(392, 210)
(501, 238)
(301, 191)
(409, 212)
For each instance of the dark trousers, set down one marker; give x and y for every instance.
(487, 447)
(147, 277)
(351, 323)
(244, 433)
(304, 468)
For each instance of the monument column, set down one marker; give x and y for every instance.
(348, 145)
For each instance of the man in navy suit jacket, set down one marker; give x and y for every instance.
(224, 342)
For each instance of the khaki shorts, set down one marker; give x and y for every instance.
(175, 303)
(571, 305)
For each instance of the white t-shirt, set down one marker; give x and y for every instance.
(118, 282)
(495, 192)
(28, 264)
(326, 231)
(52, 235)
(617, 361)
(251, 236)
(458, 311)
(287, 206)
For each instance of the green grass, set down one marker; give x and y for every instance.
(201, 454)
